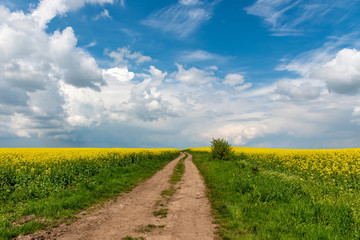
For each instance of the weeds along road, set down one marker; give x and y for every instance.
(163, 207)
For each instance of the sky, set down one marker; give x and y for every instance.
(177, 73)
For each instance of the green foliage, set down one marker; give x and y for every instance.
(61, 204)
(256, 202)
(221, 150)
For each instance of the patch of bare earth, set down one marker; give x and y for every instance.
(186, 213)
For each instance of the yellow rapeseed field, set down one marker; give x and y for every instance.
(341, 166)
(38, 171)
(27, 158)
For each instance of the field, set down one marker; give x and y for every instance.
(259, 194)
(42, 187)
(284, 194)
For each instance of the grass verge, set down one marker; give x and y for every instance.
(29, 216)
(250, 202)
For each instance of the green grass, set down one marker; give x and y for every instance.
(60, 206)
(161, 213)
(178, 171)
(169, 192)
(250, 202)
(149, 228)
(132, 238)
(175, 177)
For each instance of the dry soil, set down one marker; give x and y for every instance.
(187, 213)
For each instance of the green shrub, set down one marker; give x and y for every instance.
(221, 150)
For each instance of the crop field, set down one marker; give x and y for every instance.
(258, 194)
(284, 194)
(41, 187)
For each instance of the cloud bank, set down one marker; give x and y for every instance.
(54, 92)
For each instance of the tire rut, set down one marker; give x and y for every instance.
(188, 213)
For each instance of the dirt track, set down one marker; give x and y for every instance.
(188, 212)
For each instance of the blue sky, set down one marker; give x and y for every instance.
(175, 73)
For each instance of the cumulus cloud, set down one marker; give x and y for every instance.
(342, 74)
(50, 88)
(356, 115)
(120, 100)
(87, 107)
(297, 91)
(48, 9)
(241, 133)
(31, 57)
(13, 97)
(284, 119)
(77, 66)
(194, 76)
(236, 81)
(146, 101)
(181, 18)
(233, 79)
(356, 112)
(24, 75)
(123, 55)
(338, 69)
(117, 74)
(34, 64)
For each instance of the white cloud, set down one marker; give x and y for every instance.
(241, 133)
(339, 70)
(33, 63)
(287, 17)
(297, 90)
(48, 9)
(194, 76)
(273, 13)
(236, 81)
(356, 112)
(118, 74)
(31, 57)
(241, 88)
(103, 14)
(146, 102)
(122, 55)
(233, 79)
(342, 74)
(356, 115)
(24, 75)
(77, 66)
(189, 2)
(51, 89)
(198, 55)
(202, 56)
(181, 18)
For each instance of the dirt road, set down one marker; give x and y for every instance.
(185, 214)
